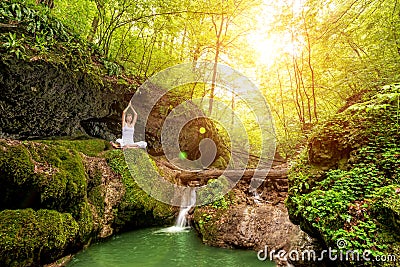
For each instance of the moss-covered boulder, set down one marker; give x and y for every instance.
(344, 188)
(137, 208)
(29, 237)
(40, 176)
(35, 175)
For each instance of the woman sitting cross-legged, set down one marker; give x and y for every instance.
(128, 131)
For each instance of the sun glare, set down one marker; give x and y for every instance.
(270, 45)
(266, 48)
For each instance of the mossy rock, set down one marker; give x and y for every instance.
(33, 237)
(387, 205)
(206, 222)
(96, 197)
(83, 216)
(89, 146)
(35, 175)
(344, 186)
(137, 208)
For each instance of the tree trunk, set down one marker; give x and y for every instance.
(216, 59)
(93, 30)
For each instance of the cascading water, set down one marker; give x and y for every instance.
(188, 201)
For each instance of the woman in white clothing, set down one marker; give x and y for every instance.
(128, 131)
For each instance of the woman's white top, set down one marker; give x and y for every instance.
(127, 135)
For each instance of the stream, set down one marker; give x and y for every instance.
(158, 247)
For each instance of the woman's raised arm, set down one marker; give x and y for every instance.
(124, 115)
(134, 114)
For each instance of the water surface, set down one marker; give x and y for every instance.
(155, 247)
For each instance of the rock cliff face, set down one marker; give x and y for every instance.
(41, 98)
(344, 188)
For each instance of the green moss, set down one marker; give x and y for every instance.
(39, 33)
(89, 147)
(344, 185)
(65, 184)
(15, 162)
(34, 236)
(40, 176)
(94, 179)
(96, 198)
(39, 36)
(137, 208)
(386, 205)
(207, 221)
(83, 216)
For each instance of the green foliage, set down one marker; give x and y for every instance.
(337, 50)
(216, 187)
(112, 68)
(358, 202)
(36, 34)
(38, 23)
(76, 14)
(37, 20)
(214, 193)
(222, 203)
(205, 217)
(34, 236)
(15, 45)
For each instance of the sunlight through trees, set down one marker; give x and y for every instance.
(308, 57)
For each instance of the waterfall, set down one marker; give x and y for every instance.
(188, 201)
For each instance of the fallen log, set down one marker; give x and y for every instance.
(234, 175)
